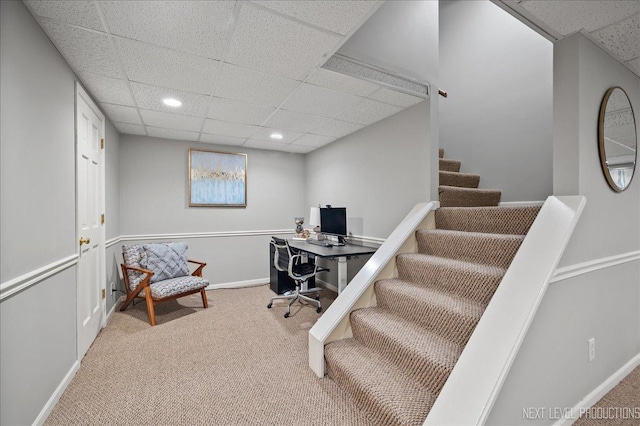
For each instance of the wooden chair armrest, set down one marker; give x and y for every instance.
(198, 271)
(133, 268)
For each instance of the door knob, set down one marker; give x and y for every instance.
(84, 240)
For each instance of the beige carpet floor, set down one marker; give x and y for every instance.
(619, 407)
(236, 363)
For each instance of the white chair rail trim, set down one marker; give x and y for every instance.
(481, 370)
(571, 271)
(22, 282)
(360, 284)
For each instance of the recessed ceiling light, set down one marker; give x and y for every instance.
(276, 135)
(172, 102)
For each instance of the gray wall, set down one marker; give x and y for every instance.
(37, 325)
(112, 212)
(552, 368)
(154, 200)
(498, 117)
(401, 36)
(378, 173)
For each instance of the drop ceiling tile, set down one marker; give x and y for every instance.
(123, 114)
(623, 38)
(315, 100)
(225, 128)
(180, 135)
(300, 149)
(635, 64)
(197, 27)
(271, 43)
(342, 82)
(81, 13)
(150, 97)
(221, 140)
(238, 112)
(314, 140)
(368, 112)
(293, 121)
(264, 133)
(253, 86)
(130, 129)
(107, 89)
(567, 17)
(336, 128)
(337, 16)
(164, 67)
(394, 97)
(84, 50)
(171, 121)
(260, 144)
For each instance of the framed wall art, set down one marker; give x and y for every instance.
(217, 179)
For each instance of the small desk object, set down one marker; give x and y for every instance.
(341, 253)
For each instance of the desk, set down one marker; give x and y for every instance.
(341, 253)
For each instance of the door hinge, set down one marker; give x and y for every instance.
(102, 219)
(104, 293)
(102, 143)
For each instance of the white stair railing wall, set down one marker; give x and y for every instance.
(334, 324)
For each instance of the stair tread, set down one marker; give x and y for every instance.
(455, 196)
(488, 219)
(449, 165)
(452, 233)
(474, 281)
(436, 297)
(383, 391)
(491, 249)
(457, 179)
(458, 264)
(427, 356)
(452, 316)
(467, 190)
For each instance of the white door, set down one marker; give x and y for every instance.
(91, 311)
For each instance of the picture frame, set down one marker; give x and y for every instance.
(217, 179)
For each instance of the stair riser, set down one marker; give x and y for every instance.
(488, 249)
(455, 326)
(492, 220)
(450, 198)
(475, 285)
(462, 180)
(449, 165)
(425, 370)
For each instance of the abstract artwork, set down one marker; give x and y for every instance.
(217, 179)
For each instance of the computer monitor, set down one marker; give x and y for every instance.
(333, 221)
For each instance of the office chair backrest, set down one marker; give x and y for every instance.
(281, 255)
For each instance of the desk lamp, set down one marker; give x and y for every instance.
(314, 221)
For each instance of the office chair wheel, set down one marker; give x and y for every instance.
(286, 315)
(319, 309)
(269, 305)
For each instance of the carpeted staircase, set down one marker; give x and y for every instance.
(404, 349)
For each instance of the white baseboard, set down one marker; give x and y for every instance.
(599, 392)
(51, 403)
(239, 284)
(113, 308)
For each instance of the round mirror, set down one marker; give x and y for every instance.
(617, 139)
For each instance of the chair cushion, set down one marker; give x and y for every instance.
(166, 260)
(175, 286)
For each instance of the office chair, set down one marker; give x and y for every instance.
(286, 260)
